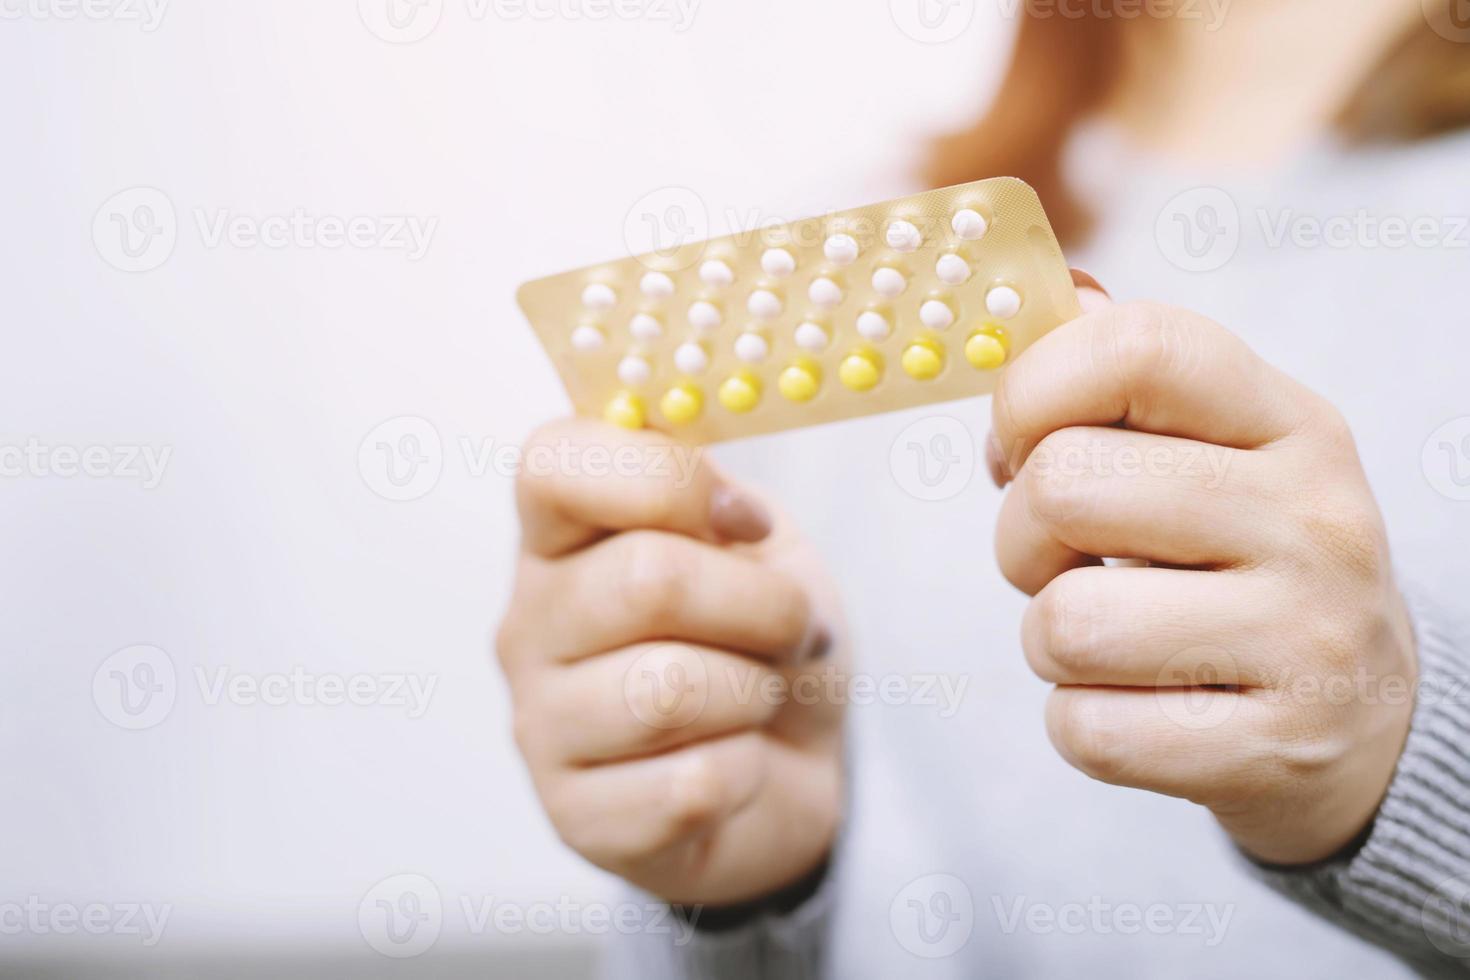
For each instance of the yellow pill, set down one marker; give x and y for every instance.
(860, 370)
(681, 403)
(626, 410)
(985, 351)
(923, 360)
(799, 382)
(740, 392)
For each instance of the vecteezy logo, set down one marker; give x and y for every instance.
(1193, 688)
(401, 21)
(401, 915)
(135, 230)
(932, 21)
(1450, 19)
(1445, 917)
(934, 458)
(1199, 230)
(667, 686)
(1446, 459)
(135, 687)
(666, 228)
(402, 459)
(933, 916)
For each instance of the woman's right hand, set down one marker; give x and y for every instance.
(672, 654)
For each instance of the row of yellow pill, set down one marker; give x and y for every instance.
(800, 381)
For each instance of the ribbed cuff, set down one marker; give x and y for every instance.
(1407, 886)
(770, 946)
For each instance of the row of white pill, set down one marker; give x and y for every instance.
(840, 249)
(824, 292)
(1001, 302)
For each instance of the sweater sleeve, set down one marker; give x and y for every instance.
(1407, 886)
(786, 945)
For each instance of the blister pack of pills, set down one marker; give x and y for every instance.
(909, 302)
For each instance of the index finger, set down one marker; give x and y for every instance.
(581, 479)
(1144, 366)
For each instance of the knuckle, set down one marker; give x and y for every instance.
(1068, 628)
(696, 792)
(656, 576)
(571, 833)
(1299, 746)
(584, 828)
(505, 644)
(1140, 336)
(532, 720)
(1055, 479)
(525, 729)
(1349, 533)
(670, 693)
(761, 692)
(791, 615)
(517, 633)
(1085, 738)
(1334, 643)
(1152, 340)
(578, 830)
(1337, 432)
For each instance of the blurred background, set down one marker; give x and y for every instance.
(264, 380)
(262, 373)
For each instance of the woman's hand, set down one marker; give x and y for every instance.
(1264, 665)
(658, 621)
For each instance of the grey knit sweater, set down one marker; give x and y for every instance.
(969, 849)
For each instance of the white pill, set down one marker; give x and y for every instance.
(599, 296)
(952, 270)
(751, 348)
(778, 263)
(645, 327)
(764, 304)
(825, 293)
(841, 250)
(903, 236)
(691, 358)
(811, 336)
(656, 285)
(704, 315)
(889, 282)
(969, 224)
(874, 325)
(1003, 302)
(936, 314)
(634, 370)
(587, 338)
(715, 273)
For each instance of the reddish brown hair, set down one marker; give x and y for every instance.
(1062, 69)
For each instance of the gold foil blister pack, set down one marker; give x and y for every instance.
(914, 301)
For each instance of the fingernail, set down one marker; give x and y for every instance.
(1090, 292)
(737, 516)
(818, 643)
(1086, 280)
(995, 461)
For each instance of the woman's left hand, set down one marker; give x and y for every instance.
(1263, 664)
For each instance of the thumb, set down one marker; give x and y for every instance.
(582, 479)
(1091, 296)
